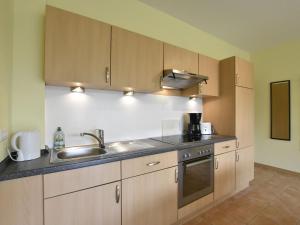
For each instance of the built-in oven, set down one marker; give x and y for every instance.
(195, 173)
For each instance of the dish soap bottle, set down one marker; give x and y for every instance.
(59, 139)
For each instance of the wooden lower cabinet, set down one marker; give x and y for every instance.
(150, 199)
(21, 201)
(94, 206)
(224, 175)
(244, 167)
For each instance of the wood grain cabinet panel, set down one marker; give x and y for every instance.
(244, 167)
(210, 68)
(136, 61)
(147, 164)
(180, 59)
(78, 179)
(21, 201)
(244, 110)
(224, 175)
(77, 50)
(150, 199)
(94, 206)
(244, 73)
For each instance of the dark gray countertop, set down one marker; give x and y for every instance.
(12, 170)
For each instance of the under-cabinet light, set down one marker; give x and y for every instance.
(128, 93)
(78, 89)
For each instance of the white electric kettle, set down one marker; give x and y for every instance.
(27, 144)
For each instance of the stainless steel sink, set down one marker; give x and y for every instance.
(83, 152)
(74, 153)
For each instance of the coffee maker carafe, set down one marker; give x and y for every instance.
(194, 128)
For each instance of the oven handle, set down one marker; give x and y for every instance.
(198, 162)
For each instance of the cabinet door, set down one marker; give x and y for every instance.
(94, 206)
(180, 59)
(244, 167)
(224, 175)
(136, 61)
(244, 124)
(209, 67)
(21, 201)
(77, 50)
(244, 73)
(150, 199)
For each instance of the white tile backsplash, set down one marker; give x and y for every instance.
(121, 117)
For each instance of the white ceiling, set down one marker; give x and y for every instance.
(249, 24)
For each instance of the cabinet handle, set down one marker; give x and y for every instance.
(153, 163)
(216, 164)
(237, 156)
(176, 175)
(237, 144)
(227, 146)
(107, 74)
(118, 193)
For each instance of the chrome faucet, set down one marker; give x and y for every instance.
(99, 137)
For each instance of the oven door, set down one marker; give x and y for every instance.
(196, 179)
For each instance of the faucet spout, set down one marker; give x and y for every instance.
(99, 139)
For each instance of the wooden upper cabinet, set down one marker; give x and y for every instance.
(210, 68)
(180, 59)
(244, 73)
(21, 201)
(77, 50)
(136, 61)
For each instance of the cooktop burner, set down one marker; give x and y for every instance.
(181, 139)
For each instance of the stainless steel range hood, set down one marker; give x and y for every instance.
(179, 79)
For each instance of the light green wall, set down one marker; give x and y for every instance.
(27, 83)
(279, 63)
(6, 17)
(27, 79)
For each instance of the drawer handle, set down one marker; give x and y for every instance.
(118, 193)
(227, 146)
(153, 163)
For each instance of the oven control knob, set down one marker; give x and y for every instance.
(186, 155)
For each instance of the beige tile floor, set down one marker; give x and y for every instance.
(273, 198)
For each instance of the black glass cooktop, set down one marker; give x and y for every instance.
(181, 139)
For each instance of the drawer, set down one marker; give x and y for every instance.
(147, 164)
(226, 146)
(78, 179)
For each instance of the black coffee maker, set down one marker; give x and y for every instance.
(194, 129)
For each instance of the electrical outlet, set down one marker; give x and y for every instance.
(3, 135)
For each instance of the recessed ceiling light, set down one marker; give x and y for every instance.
(78, 89)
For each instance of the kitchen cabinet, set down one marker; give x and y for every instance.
(150, 198)
(180, 59)
(224, 175)
(22, 201)
(77, 50)
(244, 73)
(136, 61)
(232, 113)
(244, 167)
(74, 180)
(95, 206)
(210, 68)
(244, 124)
